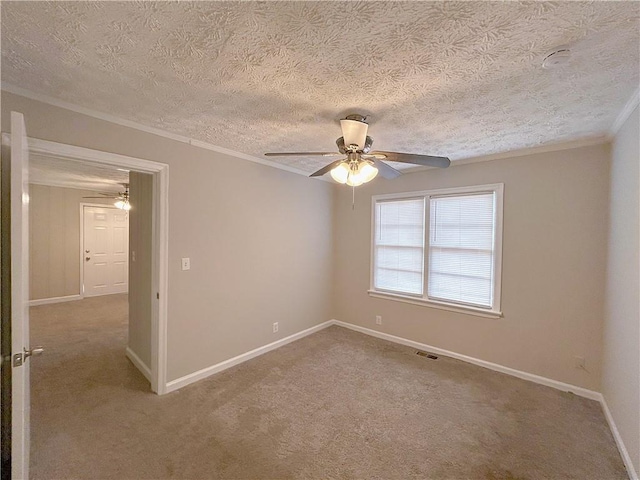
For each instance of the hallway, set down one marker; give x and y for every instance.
(84, 365)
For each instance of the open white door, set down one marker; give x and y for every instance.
(19, 299)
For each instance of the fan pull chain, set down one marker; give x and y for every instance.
(353, 198)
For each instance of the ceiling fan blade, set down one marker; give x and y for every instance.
(327, 168)
(103, 198)
(385, 170)
(302, 154)
(425, 160)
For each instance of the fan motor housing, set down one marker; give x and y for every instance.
(343, 149)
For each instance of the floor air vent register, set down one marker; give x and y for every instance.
(426, 354)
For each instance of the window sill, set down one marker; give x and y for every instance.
(478, 312)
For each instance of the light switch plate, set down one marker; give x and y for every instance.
(186, 263)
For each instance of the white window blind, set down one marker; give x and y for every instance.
(461, 249)
(399, 246)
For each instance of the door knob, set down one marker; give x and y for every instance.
(87, 258)
(35, 351)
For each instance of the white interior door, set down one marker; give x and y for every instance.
(19, 298)
(106, 251)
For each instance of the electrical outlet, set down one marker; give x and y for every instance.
(186, 263)
(579, 362)
(275, 327)
(378, 319)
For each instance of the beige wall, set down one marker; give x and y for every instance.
(54, 240)
(140, 281)
(621, 365)
(260, 245)
(259, 239)
(554, 244)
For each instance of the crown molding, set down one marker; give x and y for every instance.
(626, 111)
(144, 128)
(544, 148)
(548, 147)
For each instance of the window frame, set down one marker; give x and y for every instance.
(495, 310)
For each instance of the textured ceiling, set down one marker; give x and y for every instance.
(61, 172)
(460, 79)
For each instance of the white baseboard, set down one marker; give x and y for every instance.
(139, 364)
(566, 387)
(624, 453)
(205, 372)
(46, 301)
(219, 367)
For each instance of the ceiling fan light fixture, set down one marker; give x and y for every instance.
(363, 173)
(123, 204)
(354, 132)
(354, 174)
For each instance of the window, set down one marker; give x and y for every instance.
(399, 246)
(440, 248)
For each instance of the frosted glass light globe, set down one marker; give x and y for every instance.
(341, 173)
(368, 172)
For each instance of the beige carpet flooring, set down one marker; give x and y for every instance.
(334, 405)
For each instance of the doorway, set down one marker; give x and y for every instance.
(17, 427)
(153, 177)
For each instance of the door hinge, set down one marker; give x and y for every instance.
(158, 295)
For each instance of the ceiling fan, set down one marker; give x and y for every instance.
(361, 165)
(122, 198)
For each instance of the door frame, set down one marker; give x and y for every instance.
(99, 205)
(160, 242)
